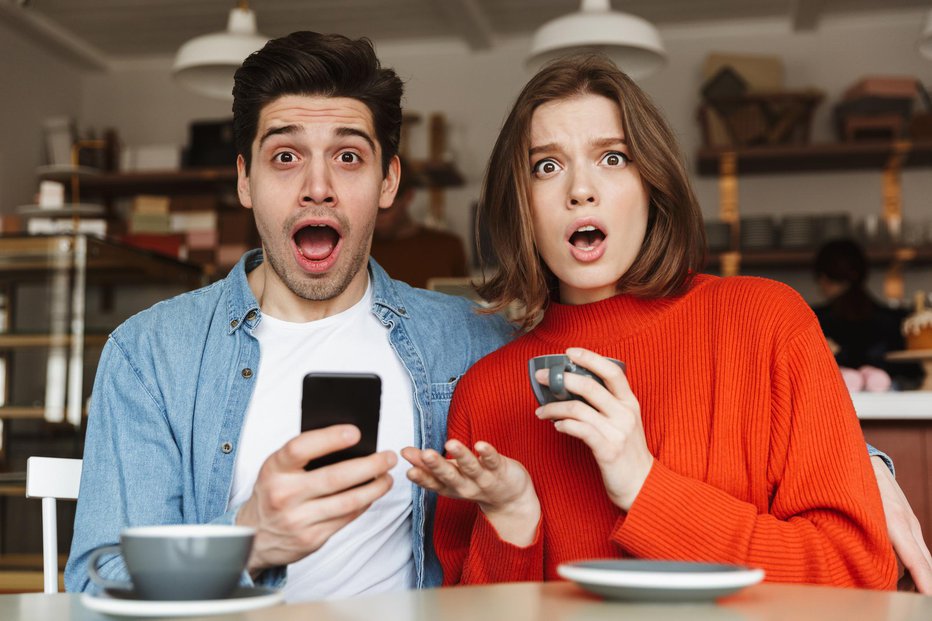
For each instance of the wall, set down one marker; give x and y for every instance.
(35, 85)
(475, 90)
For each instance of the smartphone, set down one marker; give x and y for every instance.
(337, 398)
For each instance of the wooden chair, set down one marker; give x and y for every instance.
(51, 478)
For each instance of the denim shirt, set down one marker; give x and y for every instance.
(171, 393)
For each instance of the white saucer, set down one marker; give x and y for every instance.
(659, 581)
(244, 598)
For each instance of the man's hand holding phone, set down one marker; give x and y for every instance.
(295, 511)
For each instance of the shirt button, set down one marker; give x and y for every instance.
(227, 448)
(234, 323)
(402, 311)
(250, 315)
(247, 372)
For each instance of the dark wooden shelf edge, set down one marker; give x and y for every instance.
(795, 258)
(774, 159)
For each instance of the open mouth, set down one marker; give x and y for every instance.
(316, 242)
(587, 237)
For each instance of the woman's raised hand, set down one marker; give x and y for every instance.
(499, 485)
(608, 421)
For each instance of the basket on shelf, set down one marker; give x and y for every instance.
(758, 118)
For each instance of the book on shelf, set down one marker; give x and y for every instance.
(56, 226)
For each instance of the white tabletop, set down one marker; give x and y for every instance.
(541, 602)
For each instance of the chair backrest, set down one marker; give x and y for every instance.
(51, 478)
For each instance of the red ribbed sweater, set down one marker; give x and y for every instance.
(759, 459)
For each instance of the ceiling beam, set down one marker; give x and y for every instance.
(52, 37)
(805, 14)
(468, 18)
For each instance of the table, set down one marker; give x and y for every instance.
(555, 601)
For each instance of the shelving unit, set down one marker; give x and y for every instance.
(729, 164)
(69, 263)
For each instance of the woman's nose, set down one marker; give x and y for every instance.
(582, 191)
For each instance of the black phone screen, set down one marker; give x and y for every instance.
(339, 398)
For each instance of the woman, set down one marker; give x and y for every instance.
(728, 438)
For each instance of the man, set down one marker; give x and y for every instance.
(195, 415)
(410, 252)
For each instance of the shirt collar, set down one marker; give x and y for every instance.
(244, 309)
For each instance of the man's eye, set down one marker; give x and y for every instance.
(348, 157)
(615, 158)
(285, 157)
(545, 167)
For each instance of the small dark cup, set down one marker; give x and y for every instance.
(179, 562)
(558, 365)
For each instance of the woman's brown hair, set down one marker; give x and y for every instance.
(673, 249)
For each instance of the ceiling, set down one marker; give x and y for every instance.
(107, 30)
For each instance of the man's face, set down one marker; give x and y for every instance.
(316, 185)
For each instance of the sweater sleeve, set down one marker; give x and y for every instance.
(468, 546)
(825, 523)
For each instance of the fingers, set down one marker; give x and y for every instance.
(346, 474)
(345, 504)
(615, 380)
(311, 444)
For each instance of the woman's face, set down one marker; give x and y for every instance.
(588, 204)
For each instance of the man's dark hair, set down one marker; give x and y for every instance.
(309, 63)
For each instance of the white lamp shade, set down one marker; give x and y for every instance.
(631, 42)
(206, 64)
(925, 40)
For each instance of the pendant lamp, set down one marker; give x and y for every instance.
(631, 42)
(925, 39)
(206, 64)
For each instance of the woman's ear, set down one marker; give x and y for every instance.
(242, 183)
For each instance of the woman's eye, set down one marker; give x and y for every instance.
(545, 167)
(615, 158)
(285, 157)
(348, 157)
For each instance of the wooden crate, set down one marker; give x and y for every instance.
(759, 119)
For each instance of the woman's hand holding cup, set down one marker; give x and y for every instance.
(499, 485)
(608, 421)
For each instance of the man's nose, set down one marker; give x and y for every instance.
(318, 186)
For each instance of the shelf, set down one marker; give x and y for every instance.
(773, 159)
(27, 412)
(805, 258)
(27, 341)
(187, 181)
(66, 172)
(32, 256)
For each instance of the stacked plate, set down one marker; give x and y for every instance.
(799, 231)
(834, 226)
(717, 235)
(758, 233)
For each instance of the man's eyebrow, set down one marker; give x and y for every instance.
(352, 131)
(275, 131)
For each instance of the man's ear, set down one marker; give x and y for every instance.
(390, 183)
(242, 183)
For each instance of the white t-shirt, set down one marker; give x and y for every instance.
(373, 553)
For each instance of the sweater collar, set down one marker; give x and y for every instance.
(608, 320)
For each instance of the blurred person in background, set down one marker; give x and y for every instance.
(861, 329)
(409, 251)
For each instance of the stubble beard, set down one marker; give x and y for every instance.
(325, 286)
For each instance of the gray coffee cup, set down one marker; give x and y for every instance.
(179, 562)
(558, 366)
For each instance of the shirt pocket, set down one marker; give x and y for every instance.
(443, 391)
